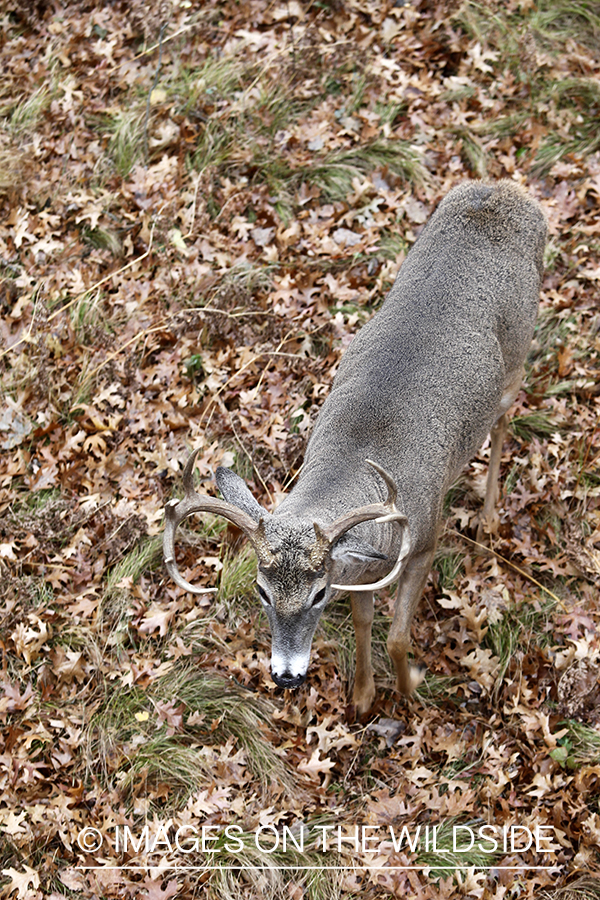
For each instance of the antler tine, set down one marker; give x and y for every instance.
(178, 510)
(379, 512)
(389, 481)
(188, 474)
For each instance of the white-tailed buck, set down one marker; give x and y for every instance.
(416, 393)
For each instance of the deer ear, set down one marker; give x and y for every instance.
(235, 491)
(349, 550)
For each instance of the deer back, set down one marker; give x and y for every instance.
(420, 385)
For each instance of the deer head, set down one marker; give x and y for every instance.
(297, 559)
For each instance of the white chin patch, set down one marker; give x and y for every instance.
(290, 665)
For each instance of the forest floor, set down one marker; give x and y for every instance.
(200, 205)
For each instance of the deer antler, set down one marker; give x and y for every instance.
(380, 512)
(177, 510)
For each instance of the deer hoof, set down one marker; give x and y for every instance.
(363, 699)
(488, 525)
(416, 674)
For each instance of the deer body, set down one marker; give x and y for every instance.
(417, 391)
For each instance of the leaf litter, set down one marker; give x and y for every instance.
(201, 204)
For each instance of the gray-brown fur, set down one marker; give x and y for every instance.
(417, 391)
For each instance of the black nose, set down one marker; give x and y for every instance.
(287, 680)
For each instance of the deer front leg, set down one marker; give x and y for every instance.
(410, 590)
(364, 684)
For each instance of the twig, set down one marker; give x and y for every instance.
(124, 268)
(83, 293)
(289, 337)
(147, 117)
(230, 315)
(171, 37)
(293, 38)
(226, 384)
(193, 219)
(290, 480)
(116, 353)
(26, 337)
(254, 467)
(227, 202)
(239, 371)
(585, 460)
(287, 355)
(509, 563)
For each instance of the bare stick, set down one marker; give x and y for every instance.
(509, 563)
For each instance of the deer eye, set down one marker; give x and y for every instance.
(319, 597)
(263, 595)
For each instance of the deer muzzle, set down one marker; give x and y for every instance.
(290, 649)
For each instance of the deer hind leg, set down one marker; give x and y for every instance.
(489, 518)
(410, 589)
(364, 684)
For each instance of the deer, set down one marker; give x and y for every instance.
(416, 393)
